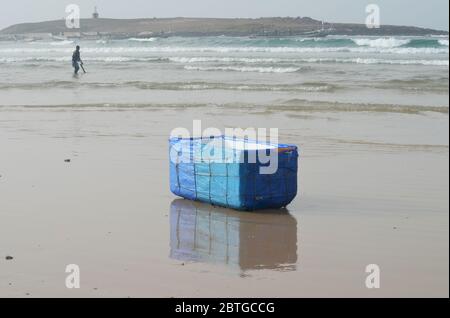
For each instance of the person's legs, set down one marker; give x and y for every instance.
(76, 66)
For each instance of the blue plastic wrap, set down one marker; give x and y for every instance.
(221, 173)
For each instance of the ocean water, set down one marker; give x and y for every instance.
(381, 76)
(409, 71)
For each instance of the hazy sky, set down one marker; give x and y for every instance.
(429, 13)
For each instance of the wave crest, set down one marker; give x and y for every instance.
(244, 69)
(382, 42)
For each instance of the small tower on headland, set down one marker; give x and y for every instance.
(95, 15)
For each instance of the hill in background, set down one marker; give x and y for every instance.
(210, 27)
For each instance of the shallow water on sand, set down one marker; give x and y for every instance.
(373, 172)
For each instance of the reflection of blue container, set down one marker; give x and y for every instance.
(230, 172)
(250, 241)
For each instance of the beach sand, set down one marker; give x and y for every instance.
(367, 196)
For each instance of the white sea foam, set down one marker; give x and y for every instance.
(61, 43)
(119, 59)
(377, 61)
(443, 42)
(106, 59)
(224, 59)
(244, 69)
(142, 39)
(381, 42)
(230, 60)
(33, 59)
(221, 49)
(189, 60)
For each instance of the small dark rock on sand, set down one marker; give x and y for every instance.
(67, 160)
(8, 258)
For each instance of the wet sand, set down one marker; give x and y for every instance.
(367, 195)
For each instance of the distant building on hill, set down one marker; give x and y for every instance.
(95, 15)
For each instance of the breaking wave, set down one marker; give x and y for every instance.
(61, 43)
(382, 42)
(323, 106)
(302, 87)
(244, 69)
(294, 105)
(244, 60)
(234, 49)
(142, 39)
(188, 60)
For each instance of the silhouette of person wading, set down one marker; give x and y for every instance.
(76, 59)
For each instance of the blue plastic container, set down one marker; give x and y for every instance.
(228, 172)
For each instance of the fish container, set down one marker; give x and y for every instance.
(234, 173)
